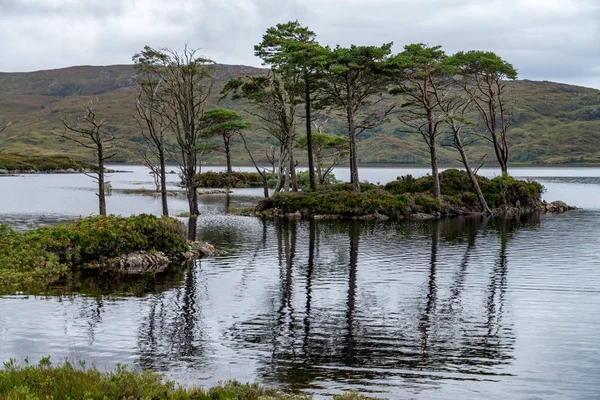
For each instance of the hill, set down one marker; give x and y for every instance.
(553, 122)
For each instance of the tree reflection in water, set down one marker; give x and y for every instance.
(413, 301)
(454, 331)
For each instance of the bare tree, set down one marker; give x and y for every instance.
(91, 132)
(277, 100)
(455, 110)
(261, 171)
(186, 83)
(483, 76)
(150, 116)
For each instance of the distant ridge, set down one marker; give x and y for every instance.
(552, 122)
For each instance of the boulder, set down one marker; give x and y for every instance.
(198, 250)
(142, 262)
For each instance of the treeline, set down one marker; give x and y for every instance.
(432, 93)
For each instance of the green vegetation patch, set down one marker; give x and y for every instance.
(342, 202)
(68, 381)
(35, 259)
(408, 195)
(16, 162)
(230, 179)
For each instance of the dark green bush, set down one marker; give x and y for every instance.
(427, 204)
(341, 202)
(456, 188)
(508, 191)
(410, 184)
(231, 179)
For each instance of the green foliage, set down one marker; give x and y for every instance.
(427, 204)
(508, 191)
(68, 381)
(32, 260)
(221, 121)
(303, 178)
(457, 189)
(346, 203)
(408, 195)
(289, 48)
(484, 63)
(231, 179)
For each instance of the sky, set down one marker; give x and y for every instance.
(554, 40)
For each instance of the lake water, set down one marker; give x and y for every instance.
(462, 308)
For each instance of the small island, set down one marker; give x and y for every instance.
(12, 164)
(63, 255)
(411, 198)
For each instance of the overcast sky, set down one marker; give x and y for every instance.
(555, 40)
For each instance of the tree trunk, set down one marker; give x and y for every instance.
(101, 193)
(227, 153)
(463, 155)
(280, 170)
(192, 196)
(311, 167)
(291, 162)
(163, 182)
(353, 156)
(437, 193)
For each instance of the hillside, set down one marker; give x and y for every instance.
(553, 123)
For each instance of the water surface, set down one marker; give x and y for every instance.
(462, 308)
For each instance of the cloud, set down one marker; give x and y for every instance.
(544, 39)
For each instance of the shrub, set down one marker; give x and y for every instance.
(230, 179)
(338, 202)
(427, 204)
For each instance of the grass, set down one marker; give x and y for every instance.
(407, 196)
(33, 260)
(68, 381)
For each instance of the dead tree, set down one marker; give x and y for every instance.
(150, 116)
(455, 110)
(91, 132)
(186, 83)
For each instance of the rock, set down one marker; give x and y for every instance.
(142, 262)
(199, 249)
(325, 217)
(557, 207)
(422, 216)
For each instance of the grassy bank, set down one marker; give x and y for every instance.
(33, 260)
(408, 196)
(67, 381)
(17, 162)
